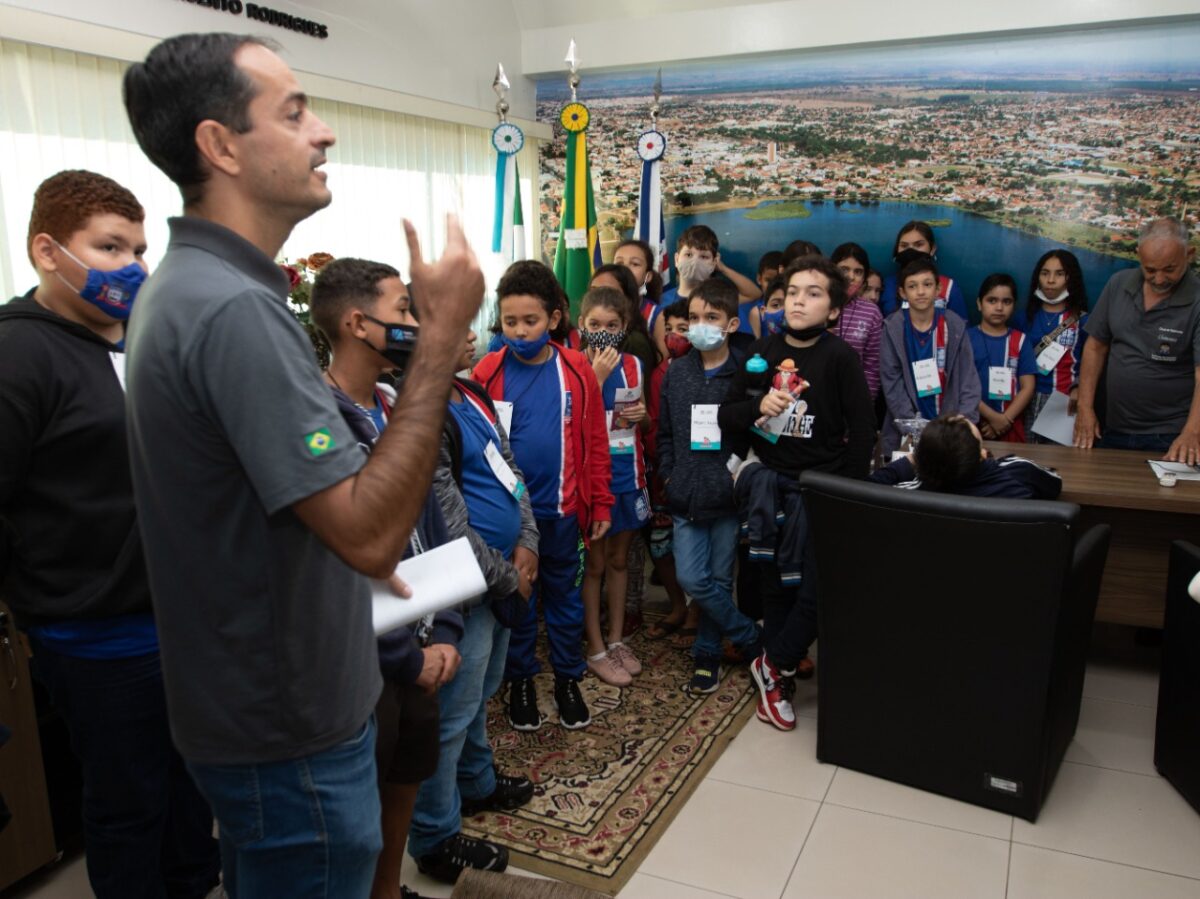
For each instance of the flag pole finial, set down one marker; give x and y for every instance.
(572, 62)
(656, 106)
(501, 86)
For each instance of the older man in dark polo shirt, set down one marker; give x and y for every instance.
(259, 513)
(1147, 325)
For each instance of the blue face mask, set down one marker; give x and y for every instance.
(705, 337)
(527, 349)
(113, 292)
(772, 322)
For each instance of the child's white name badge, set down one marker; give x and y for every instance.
(504, 413)
(504, 474)
(925, 374)
(620, 441)
(999, 382)
(706, 433)
(1047, 359)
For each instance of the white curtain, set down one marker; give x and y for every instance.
(60, 110)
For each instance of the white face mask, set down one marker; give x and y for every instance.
(1061, 298)
(694, 269)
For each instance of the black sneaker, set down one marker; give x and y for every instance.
(706, 676)
(510, 793)
(459, 852)
(523, 711)
(572, 711)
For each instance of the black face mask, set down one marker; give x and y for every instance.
(399, 343)
(805, 333)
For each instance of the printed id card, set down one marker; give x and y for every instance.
(706, 433)
(999, 382)
(1047, 359)
(925, 374)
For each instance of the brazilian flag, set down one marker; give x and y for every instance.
(578, 250)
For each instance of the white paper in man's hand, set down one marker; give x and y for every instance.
(443, 577)
(1054, 422)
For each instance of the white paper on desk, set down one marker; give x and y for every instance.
(1054, 423)
(1181, 470)
(440, 578)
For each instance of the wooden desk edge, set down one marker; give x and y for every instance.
(1148, 496)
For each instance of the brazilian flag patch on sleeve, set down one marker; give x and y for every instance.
(319, 442)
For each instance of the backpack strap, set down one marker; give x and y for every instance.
(453, 437)
(478, 391)
(451, 430)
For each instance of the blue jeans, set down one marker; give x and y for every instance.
(704, 554)
(305, 828)
(557, 590)
(1146, 443)
(465, 756)
(147, 829)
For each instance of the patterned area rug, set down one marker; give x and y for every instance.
(605, 794)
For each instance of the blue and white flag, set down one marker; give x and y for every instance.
(650, 226)
(508, 232)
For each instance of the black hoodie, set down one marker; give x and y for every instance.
(69, 542)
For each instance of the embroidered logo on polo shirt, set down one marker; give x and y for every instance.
(319, 442)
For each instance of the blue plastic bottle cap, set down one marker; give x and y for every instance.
(756, 364)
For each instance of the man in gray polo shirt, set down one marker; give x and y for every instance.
(1147, 325)
(260, 514)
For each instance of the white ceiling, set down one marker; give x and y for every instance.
(554, 13)
(529, 13)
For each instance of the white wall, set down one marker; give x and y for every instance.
(644, 39)
(437, 57)
(434, 58)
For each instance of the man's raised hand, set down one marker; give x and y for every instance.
(447, 292)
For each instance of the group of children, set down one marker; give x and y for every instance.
(679, 422)
(673, 423)
(915, 362)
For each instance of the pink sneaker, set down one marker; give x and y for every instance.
(609, 670)
(624, 655)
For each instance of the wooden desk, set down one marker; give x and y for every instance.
(1117, 488)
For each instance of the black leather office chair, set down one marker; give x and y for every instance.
(1177, 733)
(954, 636)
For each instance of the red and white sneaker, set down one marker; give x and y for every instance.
(774, 694)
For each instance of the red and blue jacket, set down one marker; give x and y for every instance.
(584, 476)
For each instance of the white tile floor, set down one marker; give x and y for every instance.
(769, 821)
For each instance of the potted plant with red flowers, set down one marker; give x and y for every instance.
(301, 275)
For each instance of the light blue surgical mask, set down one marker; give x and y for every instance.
(705, 337)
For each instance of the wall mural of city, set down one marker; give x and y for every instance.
(1007, 146)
